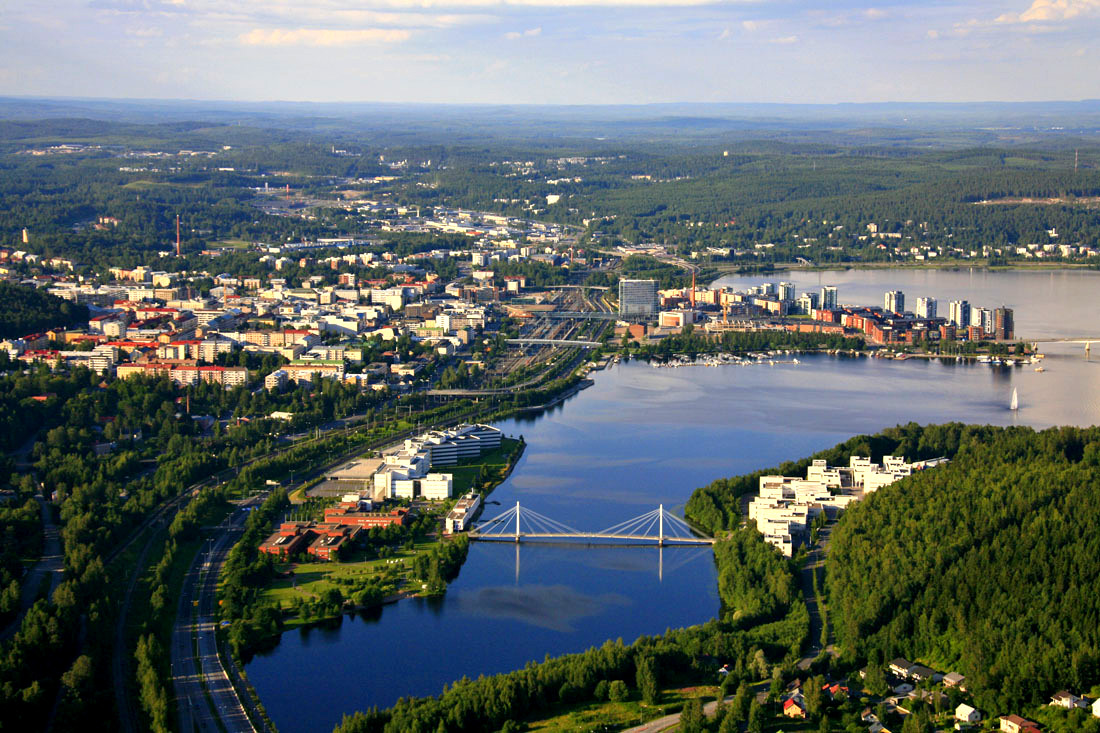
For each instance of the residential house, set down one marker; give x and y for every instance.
(793, 709)
(920, 673)
(966, 714)
(1064, 699)
(1016, 724)
(954, 679)
(901, 667)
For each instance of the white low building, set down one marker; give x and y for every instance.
(463, 513)
(785, 506)
(416, 456)
(436, 486)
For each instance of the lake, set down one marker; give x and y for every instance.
(644, 436)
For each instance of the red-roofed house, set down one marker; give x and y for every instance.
(793, 709)
(1016, 724)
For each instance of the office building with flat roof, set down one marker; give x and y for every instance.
(638, 298)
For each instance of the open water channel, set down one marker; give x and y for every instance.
(643, 436)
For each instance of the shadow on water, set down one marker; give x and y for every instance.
(434, 604)
(328, 628)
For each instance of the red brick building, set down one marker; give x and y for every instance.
(347, 514)
(325, 541)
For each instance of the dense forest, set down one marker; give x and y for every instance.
(986, 566)
(755, 201)
(25, 310)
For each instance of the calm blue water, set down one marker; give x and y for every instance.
(643, 436)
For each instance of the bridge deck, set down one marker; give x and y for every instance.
(591, 535)
(553, 342)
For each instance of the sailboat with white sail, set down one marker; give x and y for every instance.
(1015, 403)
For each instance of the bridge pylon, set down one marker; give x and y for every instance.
(661, 525)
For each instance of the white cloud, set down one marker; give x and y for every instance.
(875, 13)
(933, 34)
(338, 8)
(750, 25)
(724, 34)
(321, 36)
(1042, 11)
(784, 40)
(529, 33)
(144, 32)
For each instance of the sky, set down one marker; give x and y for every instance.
(552, 51)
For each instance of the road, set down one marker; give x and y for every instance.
(815, 563)
(50, 564)
(196, 628)
(669, 721)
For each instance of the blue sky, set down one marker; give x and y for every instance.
(552, 51)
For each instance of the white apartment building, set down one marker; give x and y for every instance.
(785, 506)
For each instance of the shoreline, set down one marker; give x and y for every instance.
(946, 265)
(404, 593)
(872, 266)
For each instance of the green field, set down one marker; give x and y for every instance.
(467, 473)
(309, 580)
(593, 716)
(147, 185)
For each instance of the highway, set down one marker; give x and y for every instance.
(196, 628)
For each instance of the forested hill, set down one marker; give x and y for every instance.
(986, 566)
(26, 310)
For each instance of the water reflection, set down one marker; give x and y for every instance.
(555, 607)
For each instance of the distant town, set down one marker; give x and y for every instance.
(809, 312)
(158, 323)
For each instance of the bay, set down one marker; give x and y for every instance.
(644, 436)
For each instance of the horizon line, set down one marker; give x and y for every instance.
(545, 105)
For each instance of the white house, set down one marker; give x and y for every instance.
(1096, 707)
(1064, 699)
(966, 714)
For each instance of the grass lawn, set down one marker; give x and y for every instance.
(308, 580)
(496, 465)
(230, 244)
(601, 716)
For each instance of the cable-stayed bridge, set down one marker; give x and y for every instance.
(657, 527)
